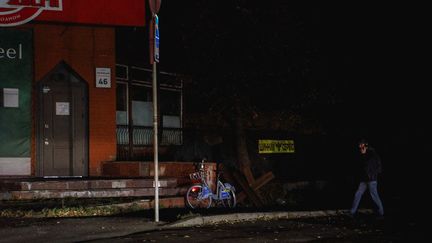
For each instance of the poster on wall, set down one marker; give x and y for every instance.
(16, 75)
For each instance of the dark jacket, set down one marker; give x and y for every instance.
(371, 165)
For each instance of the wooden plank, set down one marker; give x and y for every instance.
(260, 182)
(264, 179)
(247, 190)
(251, 194)
(250, 187)
(247, 172)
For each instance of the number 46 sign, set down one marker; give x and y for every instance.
(103, 77)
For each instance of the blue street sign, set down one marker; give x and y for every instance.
(156, 46)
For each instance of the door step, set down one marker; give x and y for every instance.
(86, 188)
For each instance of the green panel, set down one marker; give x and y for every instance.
(16, 71)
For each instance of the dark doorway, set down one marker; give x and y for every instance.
(62, 137)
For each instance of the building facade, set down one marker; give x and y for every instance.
(58, 84)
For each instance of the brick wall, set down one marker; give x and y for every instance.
(83, 48)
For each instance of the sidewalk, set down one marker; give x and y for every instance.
(92, 228)
(233, 217)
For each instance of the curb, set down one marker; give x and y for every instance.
(235, 217)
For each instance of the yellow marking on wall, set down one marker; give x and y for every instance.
(275, 146)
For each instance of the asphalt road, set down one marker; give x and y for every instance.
(365, 228)
(339, 228)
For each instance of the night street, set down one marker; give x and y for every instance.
(144, 120)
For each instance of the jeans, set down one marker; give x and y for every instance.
(372, 185)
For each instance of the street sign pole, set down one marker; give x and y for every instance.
(154, 6)
(155, 143)
(155, 117)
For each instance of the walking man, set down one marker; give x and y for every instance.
(371, 167)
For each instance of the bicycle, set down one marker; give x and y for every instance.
(201, 196)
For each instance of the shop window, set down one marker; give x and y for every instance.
(122, 104)
(135, 112)
(142, 106)
(170, 103)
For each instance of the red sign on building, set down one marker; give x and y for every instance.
(17, 12)
(100, 12)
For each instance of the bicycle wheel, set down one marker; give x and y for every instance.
(195, 199)
(230, 201)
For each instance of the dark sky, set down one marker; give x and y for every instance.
(364, 57)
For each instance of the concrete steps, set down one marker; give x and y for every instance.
(167, 169)
(122, 180)
(33, 188)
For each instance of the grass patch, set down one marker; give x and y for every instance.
(70, 207)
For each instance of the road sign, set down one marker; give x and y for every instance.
(155, 6)
(156, 39)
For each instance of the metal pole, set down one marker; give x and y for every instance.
(155, 133)
(155, 144)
